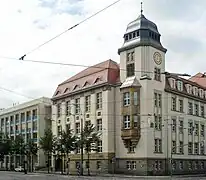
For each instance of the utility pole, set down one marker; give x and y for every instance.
(82, 155)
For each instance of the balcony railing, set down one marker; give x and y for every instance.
(17, 131)
(34, 139)
(28, 118)
(12, 132)
(23, 130)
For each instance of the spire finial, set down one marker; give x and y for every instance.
(141, 8)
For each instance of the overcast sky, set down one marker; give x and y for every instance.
(28, 23)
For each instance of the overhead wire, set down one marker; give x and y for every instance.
(70, 28)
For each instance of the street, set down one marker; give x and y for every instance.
(37, 176)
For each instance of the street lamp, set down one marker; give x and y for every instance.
(81, 140)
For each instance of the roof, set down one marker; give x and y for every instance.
(199, 78)
(131, 82)
(106, 72)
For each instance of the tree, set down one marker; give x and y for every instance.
(48, 144)
(5, 146)
(67, 142)
(89, 141)
(31, 150)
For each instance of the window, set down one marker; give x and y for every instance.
(174, 147)
(196, 109)
(158, 122)
(174, 125)
(202, 149)
(130, 147)
(202, 109)
(77, 128)
(130, 69)
(196, 164)
(181, 127)
(190, 108)
(77, 150)
(87, 103)
(136, 120)
(58, 110)
(129, 165)
(77, 106)
(181, 148)
(68, 108)
(202, 130)
(155, 99)
(99, 100)
(180, 85)
(173, 103)
(190, 165)
(68, 127)
(99, 146)
(99, 165)
(134, 165)
(157, 74)
(160, 100)
(88, 123)
(174, 165)
(158, 146)
(190, 128)
(181, 106)
(99, 124)
(190, 148)
(202, 165)
(158, 165)
(196, 148)
(130, 56)
(59, 130)
(135, 98)
(126, 98)
(181, 165)
(196, 129)
(127, 122)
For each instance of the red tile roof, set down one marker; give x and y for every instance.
(106, 72)
(199, 78)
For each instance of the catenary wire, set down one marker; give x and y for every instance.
(72, 27)
(86, 66)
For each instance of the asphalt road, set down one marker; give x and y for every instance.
(35, 176)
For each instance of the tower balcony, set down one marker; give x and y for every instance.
(128, 134)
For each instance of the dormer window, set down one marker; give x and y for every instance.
(180, 85)
(65, 90)
(195, 91)
(57, 93)
(189, 88)
(172, 83)
(201, 93)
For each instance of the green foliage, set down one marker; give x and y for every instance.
(48, 142)
(31, 148)
(67, 142)
(18, 145)
(90, 138)
(5, 145)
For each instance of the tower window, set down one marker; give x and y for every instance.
(130, 36)
(126, 37)
(157, 74)
(130, 70)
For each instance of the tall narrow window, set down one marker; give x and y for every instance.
(126, 98)
(77, 106)
(130, 69)
(87, 103)
(135, 98)
(68, 108)
(58, 110)
(127, 122)
(157, 74)
(99, 100)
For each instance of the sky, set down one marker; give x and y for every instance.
(27, 24)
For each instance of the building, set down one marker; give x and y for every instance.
(152, 122)
(29, 119)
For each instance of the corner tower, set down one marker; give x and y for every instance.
(142, 51)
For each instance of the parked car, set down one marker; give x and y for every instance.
(19, 169)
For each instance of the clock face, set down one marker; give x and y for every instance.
(157, 58)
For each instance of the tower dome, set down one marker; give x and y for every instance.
(142, 32)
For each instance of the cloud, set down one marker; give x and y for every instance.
(26, 24)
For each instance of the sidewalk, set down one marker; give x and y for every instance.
(126, 176)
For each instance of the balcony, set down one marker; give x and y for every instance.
(23, 130)
(17, 121)
(130, 134)
(34, 129)
(17, 131)
(12, 132)
(28, 130)
(12, 123)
